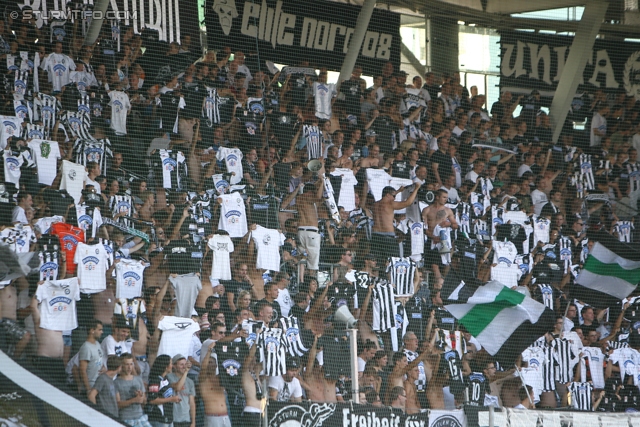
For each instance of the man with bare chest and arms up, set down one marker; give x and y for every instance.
(438, 218)
(384, 242)
(307, 205)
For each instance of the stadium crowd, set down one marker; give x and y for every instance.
(197, 233)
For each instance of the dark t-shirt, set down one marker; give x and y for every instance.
(445, 165)
(159, 388)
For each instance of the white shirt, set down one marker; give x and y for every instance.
(19, 215)
(94, 184)
(46, 154)
(600, 123)
(112, 347)
(129, 277)
(268, 242)
(453, 196)
(57, 300)
(221, 246)
(522, 169)
(176, 335)
(323, 94)
(92, 267)
(285, 301)
(539, 199)
(11, 126)
(120, 105)
(347, 192)
(58, 67)
(293, 388)
(233, 159)
(472, 176)
(233, 217)
(73, 178)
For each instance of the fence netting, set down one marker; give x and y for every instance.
(202, 225)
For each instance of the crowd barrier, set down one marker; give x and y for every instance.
(308, 414)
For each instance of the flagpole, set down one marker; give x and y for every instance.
(566, 310)
(524, 385)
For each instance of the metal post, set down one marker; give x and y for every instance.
(580, 51)
(96, 24)
(491, 415)
(265, 413)
(355, 44)
(353, 353)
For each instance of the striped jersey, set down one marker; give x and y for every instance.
(92, 151)
(292, 338)
(581, 396)
(46, 108)
(272, 352)
(384, 308)
(77, 124)
(314, 140)
(401, 273)
(49, 265)
(585, 166)
(210, 108)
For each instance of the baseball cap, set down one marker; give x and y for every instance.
(370, 132)
(178, 357)
(293, 364)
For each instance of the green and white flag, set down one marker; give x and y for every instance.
(504, 321)
(610, 274)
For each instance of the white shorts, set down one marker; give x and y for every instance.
(217, 421)
(310, 243)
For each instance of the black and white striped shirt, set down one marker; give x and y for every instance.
(272, 352)
(292, 339)
(314, 141)
(581, 396)
(402, 272)
(384, 308)
(210, 108)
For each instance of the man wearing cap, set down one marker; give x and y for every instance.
(117, 343)
(286, 387)
(184, 412)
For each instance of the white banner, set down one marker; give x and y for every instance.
(440, 418)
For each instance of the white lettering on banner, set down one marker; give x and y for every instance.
(542, 53)
(273, 25)
(537, 55)
(368, 419)
(160, 15)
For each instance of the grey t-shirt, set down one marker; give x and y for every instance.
(127, 390)
(106, 399)
(92, 353)
(181, 412)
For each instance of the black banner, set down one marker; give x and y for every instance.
(534, 61)
(306, 414)
(291, 31)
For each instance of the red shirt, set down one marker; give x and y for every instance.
(69, 237)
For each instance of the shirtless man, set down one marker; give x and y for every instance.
(307, 205)
(48, 359)
(384, 242)
(400, 368)
(318, 387)
(103, 304)
(412, 406)
(17, 336)
(439, 220)
(252, 414)
(212, 393)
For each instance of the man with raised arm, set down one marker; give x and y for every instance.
(384, 242)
